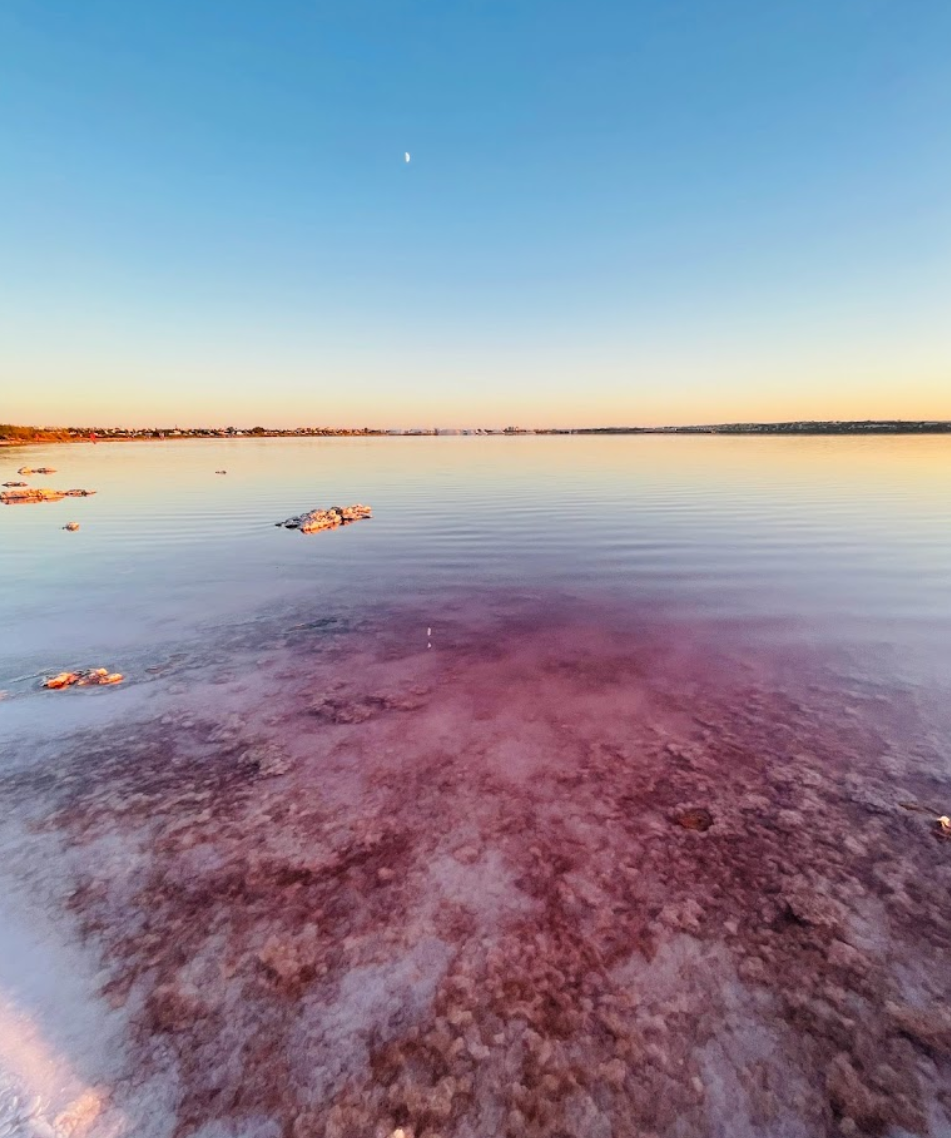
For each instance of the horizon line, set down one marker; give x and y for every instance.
(8, 431)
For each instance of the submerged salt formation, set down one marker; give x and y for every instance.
(327, 519)
(15, 497)
(573, 872)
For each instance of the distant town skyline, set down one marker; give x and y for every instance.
(625, 213)
(15, 435)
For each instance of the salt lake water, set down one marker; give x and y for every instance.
(591, 786)
(846, 529)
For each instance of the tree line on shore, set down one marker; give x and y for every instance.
(13, 434)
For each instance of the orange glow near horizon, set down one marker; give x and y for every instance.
(652, 390)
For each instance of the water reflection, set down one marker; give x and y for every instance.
(312, 876)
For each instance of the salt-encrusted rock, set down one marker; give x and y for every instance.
(14, 483)
(266, 759)
(13, 497)
(809, 905)
(27, 496)
(71, 526)
(327, 519)
(37, 470)
(930, 1027)
(693, 818)
(85, 677)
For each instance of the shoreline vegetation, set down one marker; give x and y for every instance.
(11, 435)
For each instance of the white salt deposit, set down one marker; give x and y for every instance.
(307, 881)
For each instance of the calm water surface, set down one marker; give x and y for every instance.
(591, 787)
(850, 535)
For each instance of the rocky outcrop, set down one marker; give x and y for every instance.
(12, 497)
(26, 496)
(71, 526)
(37, 470)
(85, 677)
(14, 483)
(694, 818)
(327, 519)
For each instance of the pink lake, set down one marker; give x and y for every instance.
(589, 788)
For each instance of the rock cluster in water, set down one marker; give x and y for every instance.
(14, 483)
(85, 677)
(327, 519)
(28, 495)
(37, 470)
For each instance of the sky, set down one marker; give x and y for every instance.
(616, 212)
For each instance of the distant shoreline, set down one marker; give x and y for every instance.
(11, 436)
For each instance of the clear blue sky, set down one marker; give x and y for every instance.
(663, 211)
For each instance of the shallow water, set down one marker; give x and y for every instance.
(384, 828)
(845, 528)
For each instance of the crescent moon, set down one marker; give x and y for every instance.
(406, 155)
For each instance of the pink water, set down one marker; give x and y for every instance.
(385, 830)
